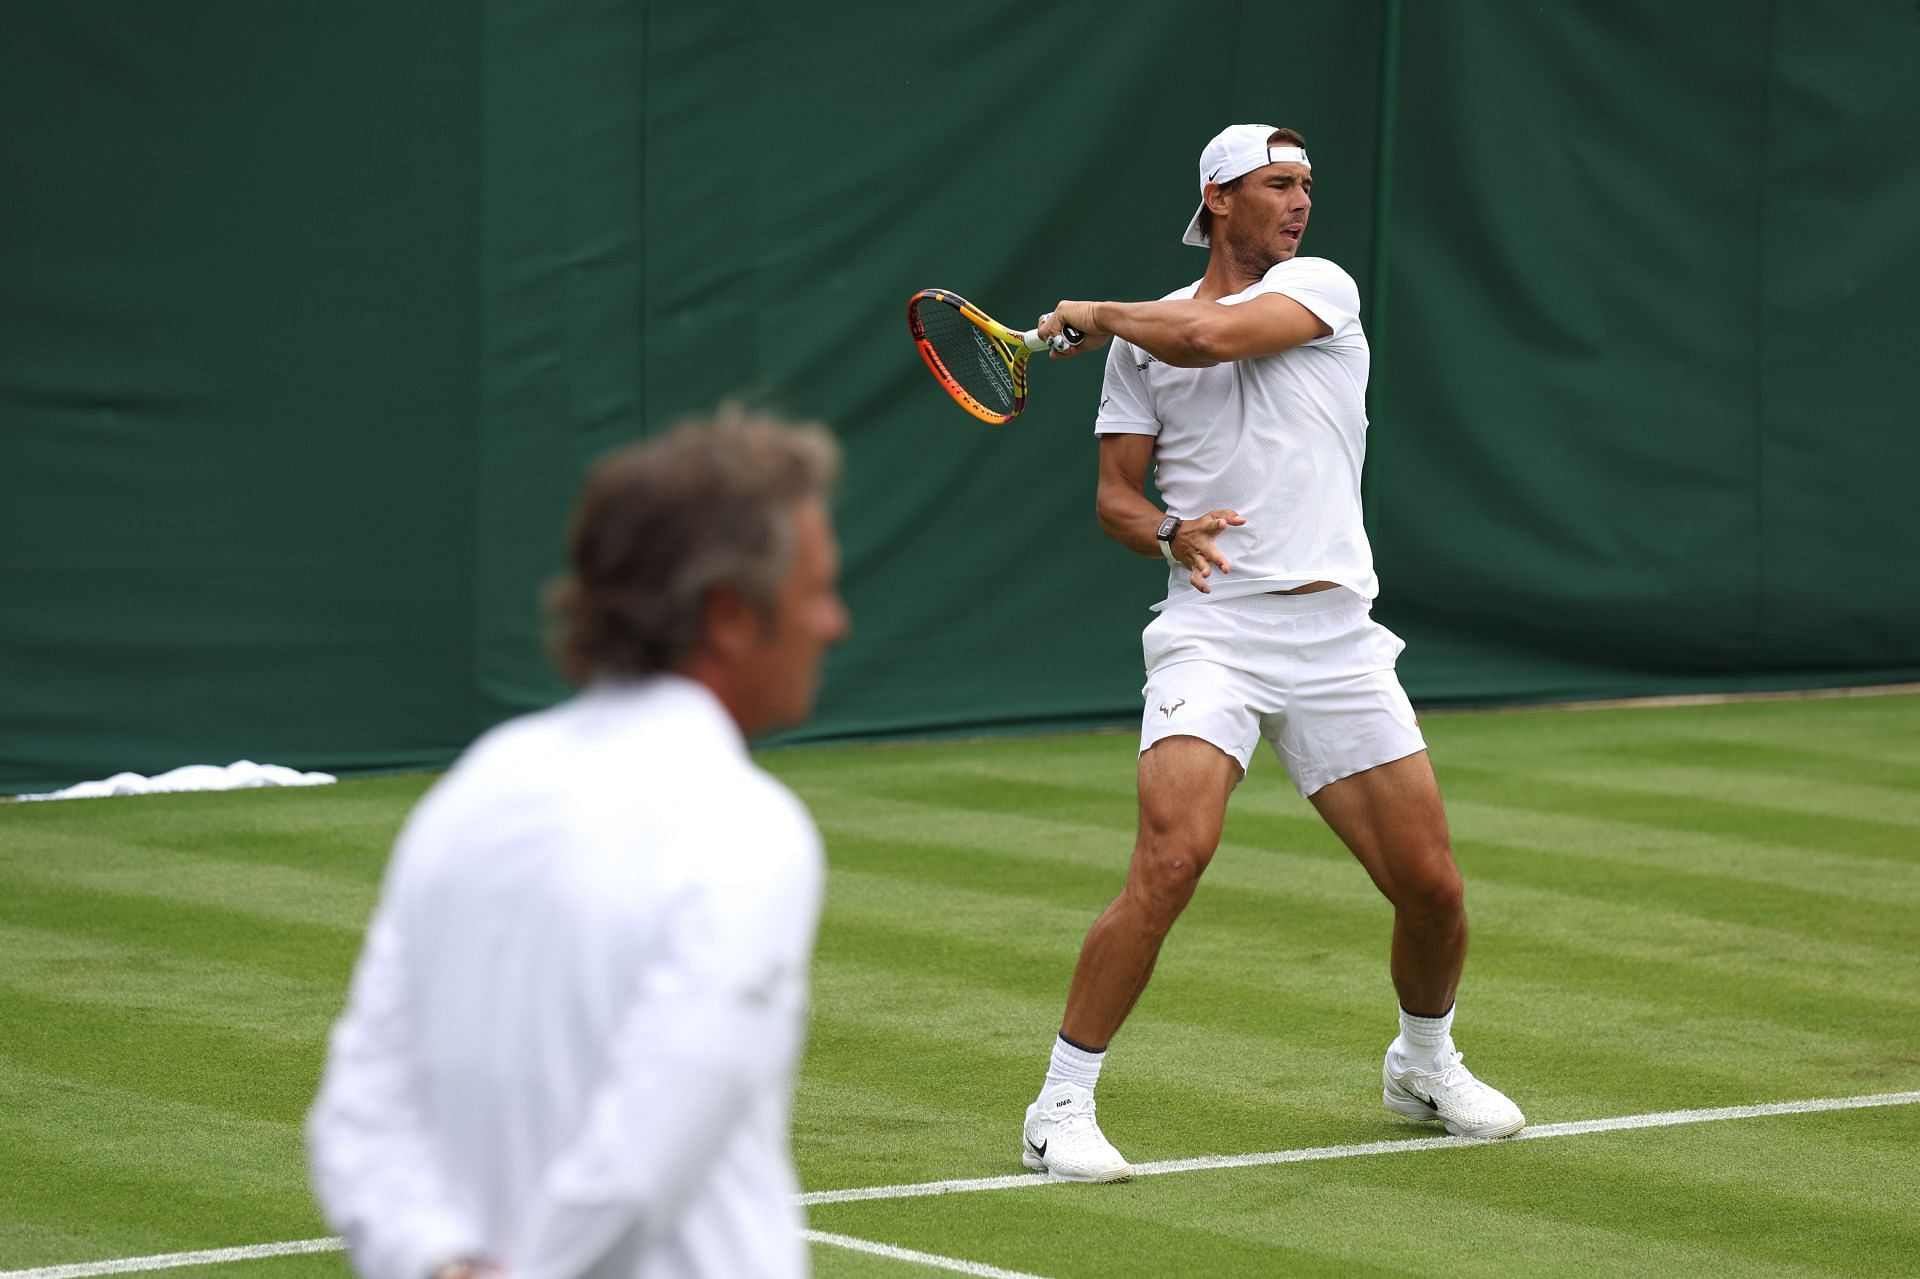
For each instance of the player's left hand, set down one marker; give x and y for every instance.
(1194, 546)
(1080, 316)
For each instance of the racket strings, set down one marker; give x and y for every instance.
(972, 358)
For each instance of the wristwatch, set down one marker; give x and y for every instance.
(1168, 527)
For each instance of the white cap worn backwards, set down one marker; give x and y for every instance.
(1235, 151)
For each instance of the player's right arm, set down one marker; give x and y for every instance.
(1298, 301)
(1130, 519)
(1195, 335)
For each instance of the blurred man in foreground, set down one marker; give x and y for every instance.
(571, 1040)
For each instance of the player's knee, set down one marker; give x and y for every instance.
(1163, 880)
(1435, 891)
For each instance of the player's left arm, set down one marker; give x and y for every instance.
(1191, 334)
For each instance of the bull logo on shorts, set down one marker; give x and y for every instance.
(1169, 710)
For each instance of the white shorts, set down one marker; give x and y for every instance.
(1313, 674)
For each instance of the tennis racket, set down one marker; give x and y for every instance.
(981, 362)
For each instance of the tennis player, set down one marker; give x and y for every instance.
(571, 1040)
(1245, 392)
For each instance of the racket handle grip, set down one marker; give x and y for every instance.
(1034, 342)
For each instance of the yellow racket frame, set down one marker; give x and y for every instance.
(1012, 347)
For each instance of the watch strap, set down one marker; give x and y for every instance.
(1165, 534)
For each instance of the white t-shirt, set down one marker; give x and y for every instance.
(572, 1036)
(1280, 439)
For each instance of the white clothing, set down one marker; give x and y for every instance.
(1280, 439)
(1313, 674)
(571, 1040)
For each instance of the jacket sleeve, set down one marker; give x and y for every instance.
(375, 1170)
(714, 1032)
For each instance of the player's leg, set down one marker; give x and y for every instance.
(1352, 745)
(1392, 818)
(1184, 786)
(1197, 734)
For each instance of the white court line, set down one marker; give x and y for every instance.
(954, 1264)
(1663, 1119)
(172, 1260)
(1660, 1119)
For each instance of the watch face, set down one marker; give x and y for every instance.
(1167, 527)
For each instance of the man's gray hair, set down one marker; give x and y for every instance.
(664, 523)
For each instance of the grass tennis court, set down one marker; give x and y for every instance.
(1674, 908)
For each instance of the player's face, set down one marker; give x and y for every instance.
(1267, 213)
(808, 618)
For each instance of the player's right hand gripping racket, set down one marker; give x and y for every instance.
(981, 362)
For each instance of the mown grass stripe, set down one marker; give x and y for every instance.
(203, 879)
(77, 1147)
(1887, 841)
(94, 979)
(1803, 796)
(1790, 766)
(1728, 864)
(1707, 893)
(897, 843)
(1657, 933)
(1259, 902)
(1869, 728)
(161, 1057)
(49, 907)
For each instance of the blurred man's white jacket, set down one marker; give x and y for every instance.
(571, 1040)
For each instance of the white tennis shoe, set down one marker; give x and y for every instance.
(1447, 1091)
(1061, 1137)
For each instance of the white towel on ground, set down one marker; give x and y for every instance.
(240, 775)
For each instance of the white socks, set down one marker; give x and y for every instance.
(1424, 1040)
(1073, 1065)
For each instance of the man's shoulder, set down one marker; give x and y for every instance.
(1306, 268)
(773, 803)
(605, 771)
(1324, 288)
(756, 835)
(603, 738)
